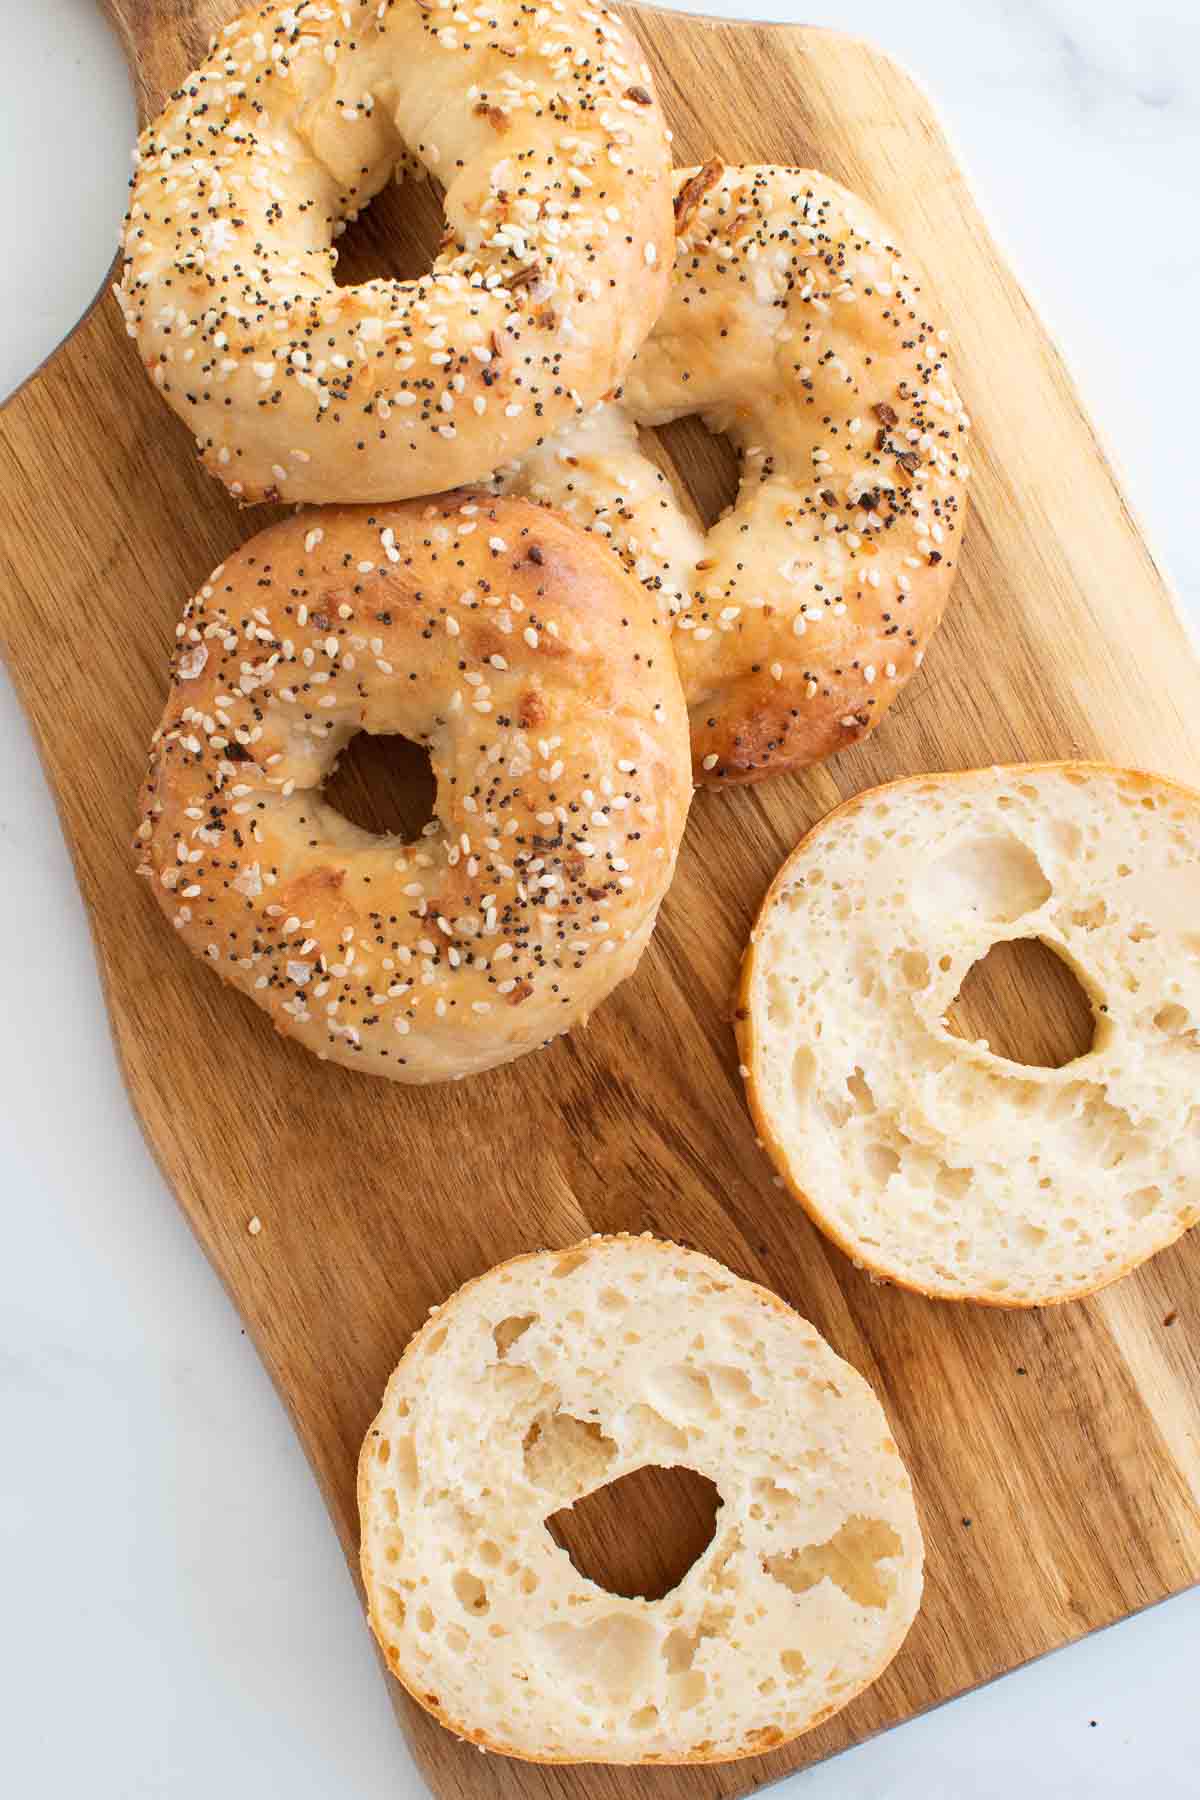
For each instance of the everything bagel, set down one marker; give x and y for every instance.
(543, 126)
(793, 327)
(515, 648)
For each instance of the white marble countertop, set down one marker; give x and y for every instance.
(177, 1619)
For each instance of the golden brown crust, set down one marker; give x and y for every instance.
(754, 731)
(557, 170)
(743, 1024)
(372, 1586)
(793, 327)
(519, 652)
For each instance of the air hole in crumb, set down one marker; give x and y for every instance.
(804, 1070)
(793, 1664)
(507, 1331)
(614, 1654)
(1176, 1021)
(1065, 837)
(565, 1455)
(952, 1184)
(850, 1559)
(394, 1609)
(993, 877)
(779, 1001)
(657, 1433)
(405, 1471)
(470, 1592)
(882, 1162)
(764, 1737)
(682, 1393)
(859, 1089)
(639, 1535)
(384, 784)
(1142, 1203)
(679, 1650)
(778, 1501)
(1090, 917)
(914, 966)
(567, 1265)
(732, 1386)
(1028, 1003)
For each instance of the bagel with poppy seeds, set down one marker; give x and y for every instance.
(558, 1373)
(933, 1161)
(543, 125)
(533, 668)
(794, 326)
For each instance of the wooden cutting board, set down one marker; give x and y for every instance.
(1056, 1454)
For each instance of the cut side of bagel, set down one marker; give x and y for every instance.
(559, 1373)
(933, 1161)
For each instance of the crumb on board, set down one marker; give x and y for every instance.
(255, 1226)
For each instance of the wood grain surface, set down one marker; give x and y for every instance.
(1055, 1453)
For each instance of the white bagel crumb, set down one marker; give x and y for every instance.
(557, 1373)
(934, 1162)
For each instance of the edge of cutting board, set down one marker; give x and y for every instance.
(1100, 1363)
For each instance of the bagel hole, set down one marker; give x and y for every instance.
(1028, 1003)
(639, 1535)
(384, 785)
(701, 464)
(395, 238)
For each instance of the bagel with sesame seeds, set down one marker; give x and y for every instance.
(543, 125)
(516, 649)
(794, 328)
(556, 1374)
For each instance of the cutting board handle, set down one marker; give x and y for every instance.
(162, 40)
